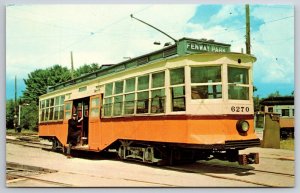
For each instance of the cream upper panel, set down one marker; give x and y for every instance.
(205, 106)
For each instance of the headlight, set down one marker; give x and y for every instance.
(242, 126)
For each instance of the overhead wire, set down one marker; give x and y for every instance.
(21, 8)
(100, 30)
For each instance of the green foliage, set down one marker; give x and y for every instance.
(256, 101)
(275, 94)
(10, 112)
(39, 80)
(29, 116)
(85, 69)
(36, 85)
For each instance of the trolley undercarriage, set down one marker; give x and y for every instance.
(169, 154)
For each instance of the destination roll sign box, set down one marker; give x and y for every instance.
(206, 47)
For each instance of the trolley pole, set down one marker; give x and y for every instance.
(248, 44)
(155, 28)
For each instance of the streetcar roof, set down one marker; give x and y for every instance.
(184, 46)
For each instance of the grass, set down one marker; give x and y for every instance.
(23, 132)
(287, 144)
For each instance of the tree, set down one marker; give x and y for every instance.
(10, 112)
(29, 116)
(256, 100)
(39, 80)
(275, 94)
(85, 69)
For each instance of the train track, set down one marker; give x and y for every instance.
(17, 172)
(201, 167)
(28, 143)
(206, 168)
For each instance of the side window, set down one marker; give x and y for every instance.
(52, 109)
(118, 105)
(42, 111)
(95, 106)
(129, 104)
(68, 110)
(108, 89)
(158, 93)
(46, 110)
(107, 106)
(142, 102)
(61, 107)
(129, 100)
(142, 105)
(177, 80)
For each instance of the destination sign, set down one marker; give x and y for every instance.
(205, 47)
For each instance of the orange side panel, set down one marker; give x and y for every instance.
(94, 134)
(58, 130)
(184, 129)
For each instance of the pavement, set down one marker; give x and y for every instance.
(81, 172)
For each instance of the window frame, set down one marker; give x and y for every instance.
(135, 92)
(171, 86)
(285, 110)
(53, 110)
(242, 85)
(207, 83)
(92, 107)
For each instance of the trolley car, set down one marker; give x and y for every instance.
(185, 102)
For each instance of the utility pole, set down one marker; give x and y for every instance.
(248, 44)
(15, 115)
(72, 66)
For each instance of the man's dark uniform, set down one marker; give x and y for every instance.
(73, 131)
(73, 134)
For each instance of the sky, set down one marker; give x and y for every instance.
(40, 36)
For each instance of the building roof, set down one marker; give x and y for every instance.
(280, 100)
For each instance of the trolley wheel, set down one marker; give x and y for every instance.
(54, 144)
(255, 157)
(243, 159)
(64, 149)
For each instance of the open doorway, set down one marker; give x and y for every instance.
(81, 108)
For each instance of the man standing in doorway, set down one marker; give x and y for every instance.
(73, 133)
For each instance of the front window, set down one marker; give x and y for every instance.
(238, 83)
(206, 82)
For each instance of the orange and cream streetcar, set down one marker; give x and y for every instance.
(188, 101)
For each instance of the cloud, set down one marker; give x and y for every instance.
(273, 45)
(39, 36)
(225, 12)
